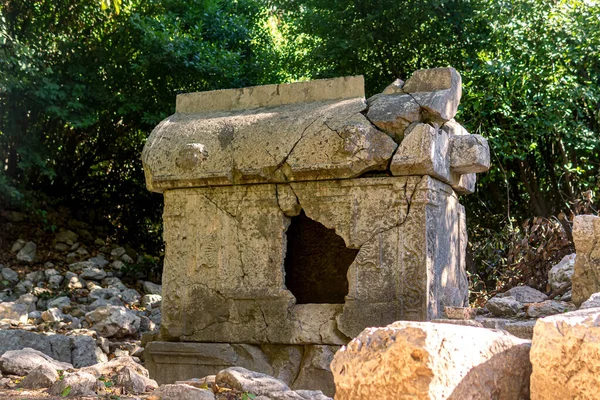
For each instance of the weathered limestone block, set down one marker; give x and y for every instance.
(437, 91)
(565, 356)
(393, 113)
(469, 154)
(274, 139)
(424, 151)
(586, 277)
(416, 360)
(348, 87)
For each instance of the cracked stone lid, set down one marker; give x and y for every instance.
(275, 133)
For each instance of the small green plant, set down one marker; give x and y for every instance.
(248, 396)
(66, 392)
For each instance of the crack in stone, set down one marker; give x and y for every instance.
(284, 161)
(399, 223)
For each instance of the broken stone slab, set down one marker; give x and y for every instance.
(430, 361)
(586, 275)
(260, 145)
(437, 91)
(469, 154)
(182, 392)
(42, 376)
(22, 362)
(424, 151)
(394, 113)
(548, 307)
(562, 273)
(565, 354)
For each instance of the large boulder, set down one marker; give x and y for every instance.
(22, 362)
(423, 360)
(565, 356)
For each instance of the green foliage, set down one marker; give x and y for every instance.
(66, 392)
(81, 87)
(530, 73)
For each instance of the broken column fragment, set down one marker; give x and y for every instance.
(248, 173)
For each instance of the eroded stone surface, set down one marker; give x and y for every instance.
(586, 276)
(239, 273)
(565, 355)
(432, 361)
(327, 139)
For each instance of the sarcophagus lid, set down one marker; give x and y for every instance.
(266, 134)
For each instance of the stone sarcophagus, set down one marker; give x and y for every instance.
(298, 214)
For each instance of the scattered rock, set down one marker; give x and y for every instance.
(10, 275)
(525, 294)
(29, 300)
(67, 237)
(431, 361)
(562, 272)
(42, 376)
(14, 311)
(22, 362)
(80, 384)
(151, 300)
(152, 288)
(27, 253)
(548, 307)
(59, 302)
(94, 273)
(113, 321)
(81, 265)
(182, 392)
(504, 306)
(134, 382)
(249, 381)
(113, 366)
(18, 245)
(592, 302)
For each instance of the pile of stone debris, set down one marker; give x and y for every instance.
(61, 322)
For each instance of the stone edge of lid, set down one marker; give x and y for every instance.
(346, 87)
